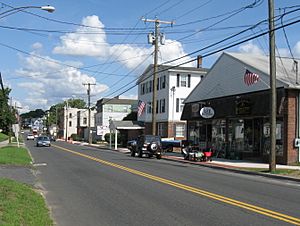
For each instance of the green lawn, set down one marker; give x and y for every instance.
(21, 205)
(3, 137)
(14, 156)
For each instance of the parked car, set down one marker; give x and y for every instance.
(43, 141)
(146, 144)
(30, 136)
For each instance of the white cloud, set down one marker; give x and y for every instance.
(37, 46)
(86, 41)
(83, 43)
(249, 47)
(52, 82)
(297, 49)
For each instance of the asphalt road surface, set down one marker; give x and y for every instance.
(89, 186)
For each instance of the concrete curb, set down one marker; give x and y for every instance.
(234, 169)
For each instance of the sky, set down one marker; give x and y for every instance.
(47, 57)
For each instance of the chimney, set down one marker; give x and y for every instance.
(199, 61)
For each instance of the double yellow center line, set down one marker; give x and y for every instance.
(233, 202)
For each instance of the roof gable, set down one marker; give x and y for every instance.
(226, 77)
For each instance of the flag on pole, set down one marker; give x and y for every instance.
(141, 107)
(250, 78)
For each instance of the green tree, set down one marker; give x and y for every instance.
(7, 114)
(55, 109)
(132, 116)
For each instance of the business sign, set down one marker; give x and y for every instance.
(207, 112)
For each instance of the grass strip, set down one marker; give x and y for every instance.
(287, 172)
(3, 137)
(21, 205)
(14, 156)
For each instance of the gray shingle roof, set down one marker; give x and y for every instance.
(226, 77)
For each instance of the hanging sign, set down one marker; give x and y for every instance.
(207, 112)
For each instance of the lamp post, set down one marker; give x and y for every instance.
(13, 10)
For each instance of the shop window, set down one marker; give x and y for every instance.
(180, 130)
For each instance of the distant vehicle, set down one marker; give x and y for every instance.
(52, 138)
(43, 141)
(146, 144)
(30, 136)
(35, 133)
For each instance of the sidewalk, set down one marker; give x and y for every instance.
(227, 163)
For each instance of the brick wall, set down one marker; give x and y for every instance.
(291, 153)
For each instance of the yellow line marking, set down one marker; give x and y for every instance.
(243, 205)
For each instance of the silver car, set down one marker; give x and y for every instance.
(43, 141)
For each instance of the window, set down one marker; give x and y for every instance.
(70, 123)
(163, 82)
(84, 120)
(149, 107)
(70, 115)
(150, 86)
(179, 130)
(143, 89)
(147, 87)
(162, 103)
(157, 106)
(183, 82)
(179, 104)
(157, 85)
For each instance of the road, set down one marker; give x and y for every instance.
(89, 186)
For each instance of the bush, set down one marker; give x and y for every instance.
(107, 135)
(75, 137)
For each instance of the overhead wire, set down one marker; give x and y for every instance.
(214, 52)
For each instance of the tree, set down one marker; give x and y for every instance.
(132, 116)
(7, 114)
(55, 109)
(37, 113)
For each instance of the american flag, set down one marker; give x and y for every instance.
(250, 78)
(141, 107)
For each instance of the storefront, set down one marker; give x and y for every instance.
(238, 123)
(239, 128)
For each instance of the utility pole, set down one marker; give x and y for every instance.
(153, 39)
(67, 119)
(272, 160)
(89, 109)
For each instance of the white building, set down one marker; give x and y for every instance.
(69, 121)
(83, 122)
(112, 109)
(174, 84)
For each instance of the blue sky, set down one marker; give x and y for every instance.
(46, 57)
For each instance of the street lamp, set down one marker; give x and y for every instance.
(47, 8)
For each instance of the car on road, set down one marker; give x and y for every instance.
(43, 141)
(30, 136)
(146, 144)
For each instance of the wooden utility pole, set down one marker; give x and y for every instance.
(89, 109)
(273, 105)
(155, 66)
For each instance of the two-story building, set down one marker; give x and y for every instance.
(111, 109)
(83, 122)
(174, 84)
